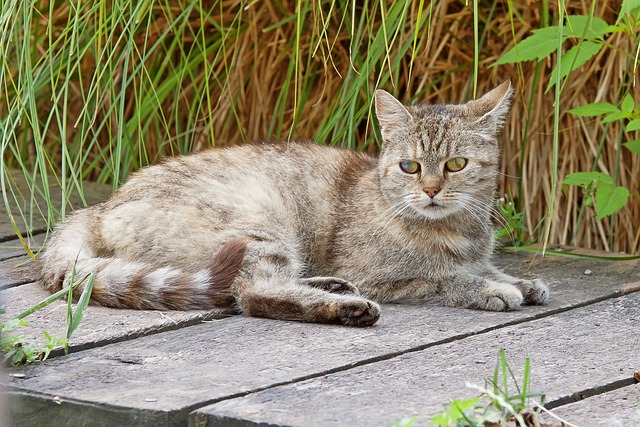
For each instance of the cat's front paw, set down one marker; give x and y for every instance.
(535, 291)
(359, 313)
(498, 297)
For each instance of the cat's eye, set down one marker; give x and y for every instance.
(409, 166)
(456, 164)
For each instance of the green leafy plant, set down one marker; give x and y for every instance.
(628, 110)
(600, 192)
(587, 36)
(18, 351)
(588, 30)
(512, 223)
(599, 189)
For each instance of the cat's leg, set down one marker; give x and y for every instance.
(469, 291)
(462, 290)
(306, 304)
(534, 291)
(269, 285)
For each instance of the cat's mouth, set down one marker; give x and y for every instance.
(434, 207)
(432, 204)
(434, 210)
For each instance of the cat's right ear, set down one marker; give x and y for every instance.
(391, 113)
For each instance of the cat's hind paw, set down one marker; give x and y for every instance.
(535, 291)
(359, 313)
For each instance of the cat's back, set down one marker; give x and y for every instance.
(280, 191)
(258, 167)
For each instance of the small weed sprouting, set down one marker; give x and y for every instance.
(513, 229)
(19, 351)
(497, 405)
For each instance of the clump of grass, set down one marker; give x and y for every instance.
(503, 401)
(96, 90)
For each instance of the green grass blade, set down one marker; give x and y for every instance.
(525, 383)
(83, 302)
(45, 302)
(556, 130)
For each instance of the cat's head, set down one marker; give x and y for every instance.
(440, 160)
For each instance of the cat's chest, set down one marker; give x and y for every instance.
(430, 252)
(405, 253)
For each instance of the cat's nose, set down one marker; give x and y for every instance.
(432, 191)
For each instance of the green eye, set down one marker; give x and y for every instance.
(455, 165)
(409, 166)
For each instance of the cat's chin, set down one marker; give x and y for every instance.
(434, 212)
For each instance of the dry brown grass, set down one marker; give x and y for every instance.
(250, 87)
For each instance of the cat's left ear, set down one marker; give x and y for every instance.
(491, 110)
(391, 113)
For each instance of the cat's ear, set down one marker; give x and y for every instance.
(390, 112)
(491, 110)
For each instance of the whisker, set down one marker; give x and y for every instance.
(493, 212)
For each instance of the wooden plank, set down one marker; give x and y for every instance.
(100, 325)
(35, 409)
(13, 248)
(178, 371)
(17, 271)
(619, 407)
(571, 352)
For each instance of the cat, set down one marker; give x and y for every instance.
(298, 231)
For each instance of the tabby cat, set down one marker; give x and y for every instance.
(297, 231)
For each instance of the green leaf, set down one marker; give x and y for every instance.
(454, 412)
(585, 26)
(83, 302)
(573, 59)
(594, 109)
(633, 125)
(627, 7)
(633, 146)
(610, 199)
(618, 115)
(585, 178)
(627, 104)
(539, 45)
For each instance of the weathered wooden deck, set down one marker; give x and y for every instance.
(138, 368)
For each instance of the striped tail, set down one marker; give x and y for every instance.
(120, 283)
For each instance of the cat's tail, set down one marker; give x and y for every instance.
(120, 283)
